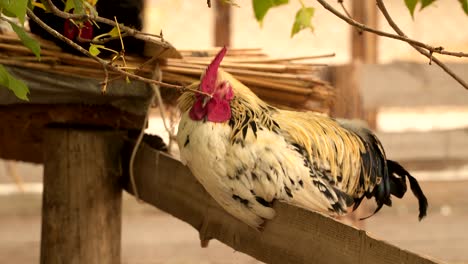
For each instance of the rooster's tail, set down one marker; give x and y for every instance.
(397, 175)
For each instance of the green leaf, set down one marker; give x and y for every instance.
(42, 4)
(261, 7)
(303, 20)
(411, 5)
(231, 2)
(76, 5)
(114, 32)
(94, 49)
(15, 7)
(29, 42)
(426, 3)
(7, 13)
(18, 87)
(90, 7)
(69, 5)
(464, 4)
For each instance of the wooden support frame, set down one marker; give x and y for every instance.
(25, 123)
(81, 211)
(364, 44)
(294, 236)
(222, 24)
(348, 102)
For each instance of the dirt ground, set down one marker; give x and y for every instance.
(150, 236)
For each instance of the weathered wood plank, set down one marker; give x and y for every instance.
(433, 145)
(22, 125)
(81, 212)
(411, 84)
(294, 236)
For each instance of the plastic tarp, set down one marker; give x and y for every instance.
(53, 88)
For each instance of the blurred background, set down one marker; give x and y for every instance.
(418, 111)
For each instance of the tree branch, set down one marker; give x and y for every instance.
(341, 2)
(423, 48)
(359, 25)
(344, 8)
(129, 31)
(106, 65)
(428, 54)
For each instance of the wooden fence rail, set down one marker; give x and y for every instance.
(294, 236)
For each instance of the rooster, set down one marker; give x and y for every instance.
(247, 154)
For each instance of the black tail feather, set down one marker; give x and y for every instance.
(398, 186)
(387, 178)
(397, 181)
(422, 200)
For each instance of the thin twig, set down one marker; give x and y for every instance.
(428, 54)
(161, 35)
(104, 63)
(341, 2)
(103, 40)
(344, 8)
(10, 167)
(359, 25)
(122, 51)
(106, 80)
(424, 49)
(157, 74)
(141, 66)
(130, 31)
(137, 145)
(120, 33)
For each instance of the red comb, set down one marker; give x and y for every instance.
(209, 80)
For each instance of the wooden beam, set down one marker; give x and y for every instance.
(222, 24)
(364, 44)
(81, 211)
(294, 236)
(22, 125)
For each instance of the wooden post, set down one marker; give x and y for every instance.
(363, 50)
(364, 44)
(81, 211)
(345, 80)
(222, 24)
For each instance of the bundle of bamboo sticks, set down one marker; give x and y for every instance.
(286, 82)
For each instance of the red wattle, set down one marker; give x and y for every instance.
(218, 110)
(198, 112)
